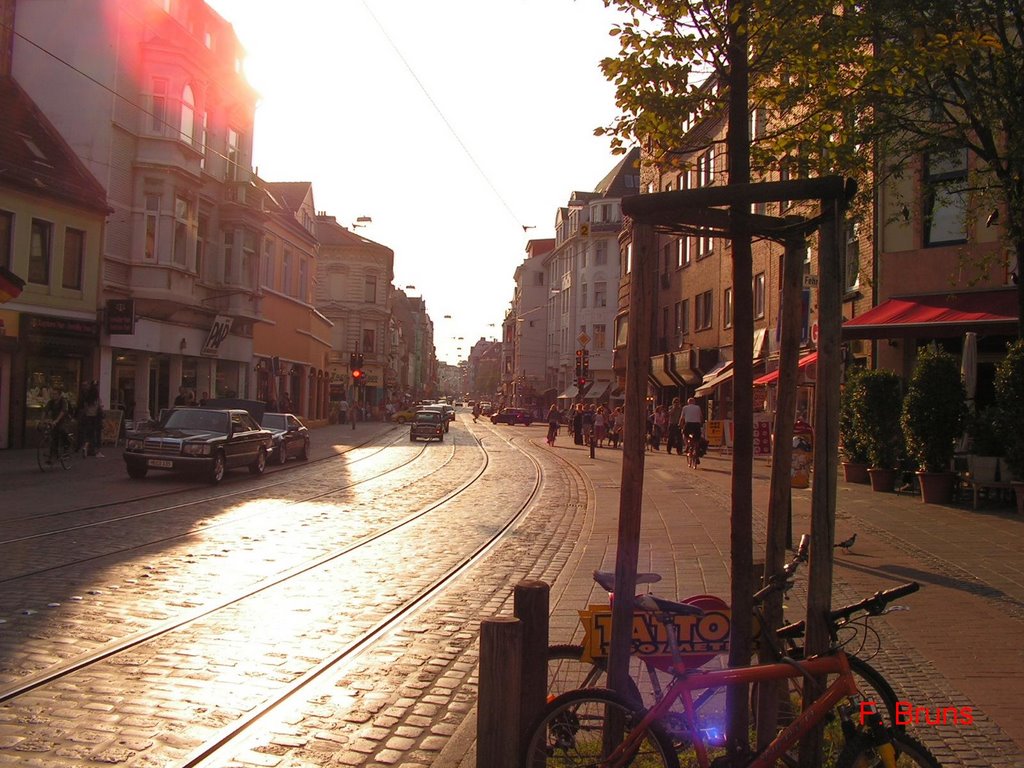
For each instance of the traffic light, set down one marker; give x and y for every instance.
(357, 375)
(579, 364)
(586, 363)
(355, 364)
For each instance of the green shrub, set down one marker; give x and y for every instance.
(934, 410)
(1010, 392)
(878, 417)
(854, 449)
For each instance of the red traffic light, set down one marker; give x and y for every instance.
(357, 374)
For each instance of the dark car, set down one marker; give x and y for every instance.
(512, 416)
(291, 438)
(428, 425)
(205, 440)
(442, 409)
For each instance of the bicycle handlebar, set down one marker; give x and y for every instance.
(872, 606)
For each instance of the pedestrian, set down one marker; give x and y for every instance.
(577, 424)
(343, 411)
(58, 412)
(675, 430)
(692, 421)
(600, 426)
(615, 423)
(476, 412)
(659, 426)
(588, 423)
(554, 421)
(182, 398)
(203, 399)
(90, 421)
(286, 403)
(352, 414)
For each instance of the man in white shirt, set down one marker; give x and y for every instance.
(691, 420)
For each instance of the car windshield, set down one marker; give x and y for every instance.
(427, 416)
(274, 421)
(192, 419)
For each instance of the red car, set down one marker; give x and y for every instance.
(512, 416)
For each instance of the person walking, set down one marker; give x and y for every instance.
(658, 427)
(600, 426)
(554, 421)
(675, 430)
(577, 424)
(692, 422)
(90, 421)
(476, 412)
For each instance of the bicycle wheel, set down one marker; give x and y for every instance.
(860, 752)
(65, 448)
(43, 458)
(574, 729)
(567, 671)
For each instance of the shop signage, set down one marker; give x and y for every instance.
(121, 317)
(218, 332)
(44, 327)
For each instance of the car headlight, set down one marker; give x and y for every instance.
(195, 449)
(133, 444)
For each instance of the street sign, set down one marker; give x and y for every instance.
(810, 281)
(583, 339)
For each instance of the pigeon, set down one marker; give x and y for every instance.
(846, 544)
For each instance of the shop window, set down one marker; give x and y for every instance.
(39, 253)
(74, 256)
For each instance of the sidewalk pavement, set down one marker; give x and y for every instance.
(959, 644)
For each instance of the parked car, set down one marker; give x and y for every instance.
(403, 415)
(427, 424)
(203, 440)
(512, 416)
(291, 438)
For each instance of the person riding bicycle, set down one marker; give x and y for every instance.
(58, 412)
(692, 422)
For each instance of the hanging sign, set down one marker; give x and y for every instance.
(218, 332)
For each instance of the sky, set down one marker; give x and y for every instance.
(452, 124)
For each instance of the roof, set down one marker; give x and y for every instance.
(624, 178)
(35, 157)
(290, 194)
(938, 315)
(330, 232)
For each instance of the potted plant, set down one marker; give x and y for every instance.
(878, 425)
(934, 410)
(1009, 386)
(854, 449)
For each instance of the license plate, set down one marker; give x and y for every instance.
(160, 463)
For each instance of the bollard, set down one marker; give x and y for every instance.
(531, 600)
(497, 719)
(593, 442)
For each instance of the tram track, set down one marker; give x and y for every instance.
(111, 652)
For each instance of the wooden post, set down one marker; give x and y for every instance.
(531, 600)
(826, 448)
(782, 463)
(642, 290)
(497, 722)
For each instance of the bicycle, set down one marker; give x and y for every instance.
(570, 667)
(48, 456)
(599, 728)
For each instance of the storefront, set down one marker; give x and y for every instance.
(52, 351)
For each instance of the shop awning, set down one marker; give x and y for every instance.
(659, 372)
(680, 368)
(768, 378)
(717, 375)
(570, 393)
(937, 315)
(599, 390)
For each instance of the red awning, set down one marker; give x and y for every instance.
(936, 315)
(768, 378)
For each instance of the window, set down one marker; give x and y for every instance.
(369, 340)
(188, 115)
(182, 220)
(158, 108)
(286, 273)
(851, 257)
(727, 307)
(946, 198)
(702, 318)
(229, 256)
(666, 257)
(268, 263)
(627, 262)
(583, 256)
(683, 252)
(705, 246)
(684, 317)
(74, 257)
(303, 280)
(39, 252)
(249, 240)
(370, 290)
(234, 156)
(201, 231)
(706, 168)
(6, 235)
(601, 253)
(759, 295)
(152, 226)
(600, 336)
(202, 141)
(601, 294)
(621, 330)
(583, 296)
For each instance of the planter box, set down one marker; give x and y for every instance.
(855, 473)
(936, 487)
(883, 479)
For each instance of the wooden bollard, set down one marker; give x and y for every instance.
(531, 608)
(497, 719)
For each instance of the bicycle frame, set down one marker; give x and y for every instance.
(686, 683)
